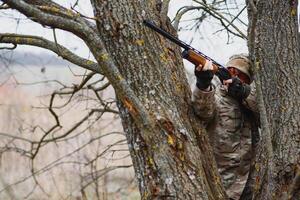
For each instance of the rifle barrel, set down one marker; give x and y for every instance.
(182, 44)
(166, 34)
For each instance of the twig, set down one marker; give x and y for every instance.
(183, 11)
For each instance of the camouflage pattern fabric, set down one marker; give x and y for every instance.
(229, 132)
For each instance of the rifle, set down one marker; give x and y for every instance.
(191, 54)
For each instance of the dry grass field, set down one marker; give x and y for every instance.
(92, 162)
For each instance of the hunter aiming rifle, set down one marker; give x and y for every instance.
(191, 54)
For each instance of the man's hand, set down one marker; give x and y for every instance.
(204, 75)
(237, 89)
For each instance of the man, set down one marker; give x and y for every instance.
(228, 108)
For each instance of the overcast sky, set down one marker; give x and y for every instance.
(213, 44)
(208, 41)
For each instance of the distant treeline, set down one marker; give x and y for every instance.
(29, 58)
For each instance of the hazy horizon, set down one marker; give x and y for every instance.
(19, 57)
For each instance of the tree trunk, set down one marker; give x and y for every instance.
(274, 48)
(171, 155)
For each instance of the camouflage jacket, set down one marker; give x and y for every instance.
(228, 124)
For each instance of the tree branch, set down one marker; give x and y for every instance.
(50, 7)
(54, 163)
(4, 6)
(183, 11)
(9, 48)
(222, 20)
(87, 31)
(236, 17)
(50, 14)
(164, 10)
(52, 46)
(15, 137)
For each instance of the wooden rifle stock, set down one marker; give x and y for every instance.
(197, 59)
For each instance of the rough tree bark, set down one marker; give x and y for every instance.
(171, 155)
(275, 51)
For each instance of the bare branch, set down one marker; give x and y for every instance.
(9, 48)
(102, 172)
(55, 162)
(252, 25)
(52, 46)
(76, 125)
(75, 4)
(4, 6)
(108, 147)
(211, 10)
(53, 15)
(56, 125)
(164, 10)
(183, 11)
(50, 7)
(236, 17)
(74, 89)
(15, 137)
(87, 31)
(82, 15)
(9, 191)
(41, 82)
(15, 149)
